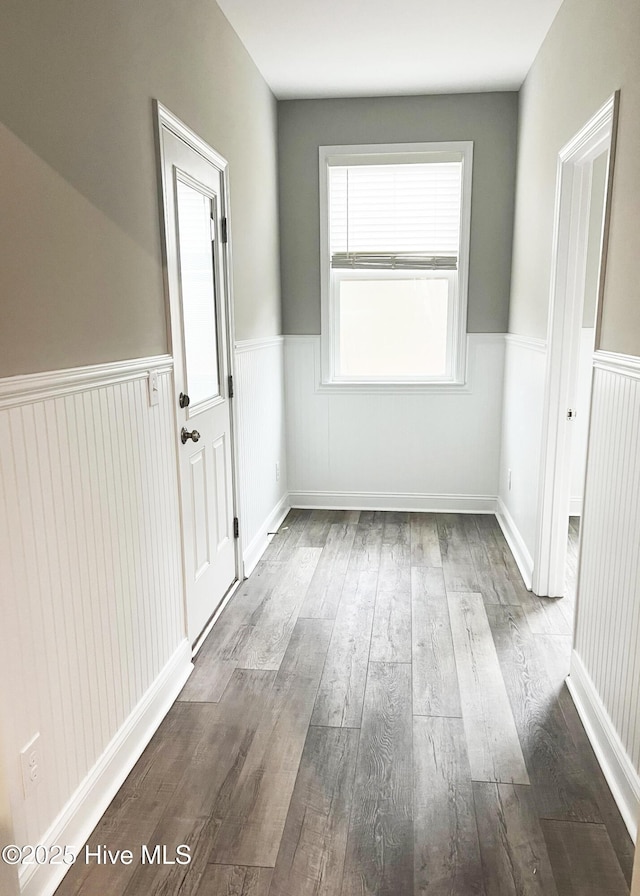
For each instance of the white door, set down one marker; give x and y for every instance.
(197, 277)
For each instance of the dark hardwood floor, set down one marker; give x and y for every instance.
(380, 710)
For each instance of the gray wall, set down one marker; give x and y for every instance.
(81, 276)
(592, 49)
(490, 120)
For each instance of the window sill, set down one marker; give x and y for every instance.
(400, 387)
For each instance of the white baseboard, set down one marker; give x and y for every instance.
(400, 502)
(622, 778)
(575, 506)
(515, 541)
(85, 808)
(261, 539)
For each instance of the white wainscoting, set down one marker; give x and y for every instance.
(605, 672)
(259, 392)
(405, 450)
(93, 629)
(524, 383)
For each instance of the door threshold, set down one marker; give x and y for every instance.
(205, 631)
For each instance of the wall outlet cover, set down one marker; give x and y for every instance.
(31, 765)
(154, 388)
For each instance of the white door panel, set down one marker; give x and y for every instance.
(194, 201)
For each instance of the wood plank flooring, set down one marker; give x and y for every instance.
(379, 711)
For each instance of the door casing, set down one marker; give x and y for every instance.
(164, 119)
(565, 309)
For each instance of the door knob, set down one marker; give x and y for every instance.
(184, 400)
(194, 435)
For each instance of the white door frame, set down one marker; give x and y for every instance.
(165, 119)
(571, 216)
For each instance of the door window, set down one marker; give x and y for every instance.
(198, 287)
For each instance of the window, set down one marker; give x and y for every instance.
(394, 247)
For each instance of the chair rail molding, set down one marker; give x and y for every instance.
(533, 343)
(625, 365)
(32, 387)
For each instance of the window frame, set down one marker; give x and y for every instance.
(344, 274)
(457, 329)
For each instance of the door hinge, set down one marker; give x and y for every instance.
(223, 230)
(230, 386)
(236, 527)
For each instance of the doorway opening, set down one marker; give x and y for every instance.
(583, 192)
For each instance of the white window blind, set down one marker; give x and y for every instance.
(395, 216)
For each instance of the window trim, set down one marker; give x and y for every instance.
(328, 348)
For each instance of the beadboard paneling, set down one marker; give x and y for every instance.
(259, 393)
(91, 592)
(374, 447)
(607, 638)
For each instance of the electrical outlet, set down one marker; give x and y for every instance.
(509, 479)
(154, 388)
(277, 471)
(31, 765)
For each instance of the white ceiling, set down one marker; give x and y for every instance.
(328, 48)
